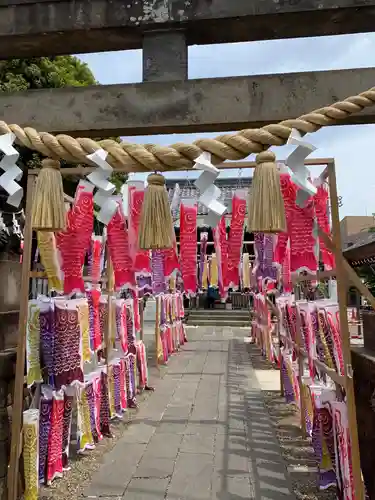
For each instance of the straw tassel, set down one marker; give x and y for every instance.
(48, 212)
(266, 204)
(156, 225)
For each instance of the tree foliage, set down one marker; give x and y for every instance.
(44, 72)
(18, 75)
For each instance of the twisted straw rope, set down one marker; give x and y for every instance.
(150, 157)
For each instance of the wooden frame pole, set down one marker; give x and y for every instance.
(228, 165)
(342, 288)
(15, 449)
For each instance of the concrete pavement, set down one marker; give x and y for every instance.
(203, 435)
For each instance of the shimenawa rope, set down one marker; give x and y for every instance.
(180, 156)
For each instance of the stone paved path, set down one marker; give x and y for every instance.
(203, 435)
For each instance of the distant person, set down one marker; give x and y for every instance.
(211, 296)
(144, 302)
(186, 302)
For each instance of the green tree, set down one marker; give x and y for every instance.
(47, 72)
(44, 72)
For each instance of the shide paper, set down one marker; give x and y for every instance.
(209, 193)
(296, 163)
(99, 178)
(12, 172)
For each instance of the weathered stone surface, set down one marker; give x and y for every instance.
(196, 443)
(144, 489)
(191, 477)
(162, 446)
(237, 487)
(189, 106)
(151, 467)
(33, 28)
(117, 471)
(165, 56)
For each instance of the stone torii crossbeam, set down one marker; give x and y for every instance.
(50, 27)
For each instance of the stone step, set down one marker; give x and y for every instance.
(220, 322)
(196, 321)
(219, 317)
(219, 312)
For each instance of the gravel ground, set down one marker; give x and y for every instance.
(297, 451)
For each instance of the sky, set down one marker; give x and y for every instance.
(351, 146)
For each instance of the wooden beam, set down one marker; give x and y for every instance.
(228, 165)
(207, 105)
(30, 28)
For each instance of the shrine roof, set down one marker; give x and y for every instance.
(362, 251)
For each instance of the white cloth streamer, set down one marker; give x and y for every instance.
(12, 172)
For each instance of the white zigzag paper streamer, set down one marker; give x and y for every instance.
(12, 172)
(296, 163)
(210, 193)
(176, 199)
(99, 178)
(300, 177)
(125, 198)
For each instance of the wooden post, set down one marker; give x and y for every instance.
(21, 348)
(342, 287)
